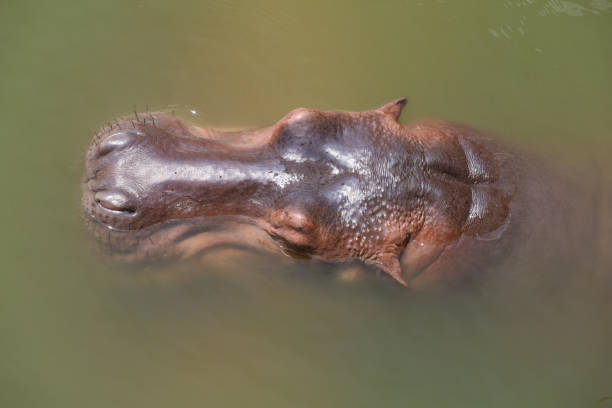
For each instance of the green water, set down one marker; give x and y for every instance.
(75, 332)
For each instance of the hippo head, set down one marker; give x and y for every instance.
(336, 186)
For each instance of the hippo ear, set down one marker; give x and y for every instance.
(393, 108)
(390, 264)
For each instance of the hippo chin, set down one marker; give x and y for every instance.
(424, 202)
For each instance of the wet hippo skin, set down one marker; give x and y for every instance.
(427, 202)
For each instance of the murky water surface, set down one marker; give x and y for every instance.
(75, 331)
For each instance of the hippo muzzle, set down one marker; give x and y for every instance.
(336, 186)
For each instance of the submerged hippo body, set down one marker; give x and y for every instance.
(426, 202)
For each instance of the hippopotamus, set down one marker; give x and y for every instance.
(427, 203)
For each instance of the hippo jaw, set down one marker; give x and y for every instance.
(336, 186)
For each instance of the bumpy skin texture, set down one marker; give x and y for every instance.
(425, 203)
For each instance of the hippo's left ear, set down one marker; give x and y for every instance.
(393, 108)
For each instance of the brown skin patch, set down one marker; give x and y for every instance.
(334, 186)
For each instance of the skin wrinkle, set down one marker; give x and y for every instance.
(335, 186)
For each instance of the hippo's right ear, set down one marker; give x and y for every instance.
(393, 108)
(390, 264)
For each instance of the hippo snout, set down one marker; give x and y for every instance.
(107, 198)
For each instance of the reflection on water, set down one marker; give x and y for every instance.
(520, 14)
(77, 331)
(576, 9)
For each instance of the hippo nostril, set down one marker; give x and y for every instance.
(114, 201)
(117, 140)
